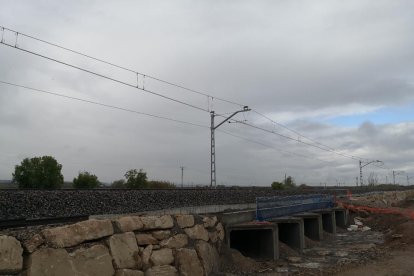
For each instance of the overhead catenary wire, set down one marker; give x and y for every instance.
(313, 144)
(272, 147)
(293, 139)
(106, 77)
(153, 116)
(320, 145)
(305, 143)
(103, 104)
(121, 67)
(299, 134)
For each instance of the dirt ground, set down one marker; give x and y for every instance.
(398, 257)
(386, 249)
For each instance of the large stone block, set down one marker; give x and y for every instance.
(209, 221)
(163, 256)
(155, 222)
(93, 261)
(145, 239)
(161, 270)
(188, 263)
(11, 260)
(146, 255)
(124, 250)
(220, 231)
(129, 224)
(161, 234)
(49, 261)
(197, 232)
(184, 221)
(177, 241)
(34, 242)
(209, 257)
(74, 234)
(213, 236)
(129, 272)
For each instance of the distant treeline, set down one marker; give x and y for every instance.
(46, 173)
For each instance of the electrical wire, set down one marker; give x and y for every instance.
(272, 147)
(103, 104)
(105, 77)
(293, 139)
(120, 67)
(314, 143)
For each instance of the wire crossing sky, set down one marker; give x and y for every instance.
(327, 87)
(17, 34)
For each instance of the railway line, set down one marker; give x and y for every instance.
(34, 205)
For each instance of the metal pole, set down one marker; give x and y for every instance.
(393, 176)
(213, 181)
(213, 152)
(361, 166)
(182, 177)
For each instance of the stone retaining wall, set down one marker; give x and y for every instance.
(126, 246)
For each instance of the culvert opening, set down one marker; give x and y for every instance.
(289, 233)
(311, 226)
(340, 218)
(253, 243)
(327, 222)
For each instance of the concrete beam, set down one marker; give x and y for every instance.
(257, 241)
(238, 217)
(206, 209)
(312, 224)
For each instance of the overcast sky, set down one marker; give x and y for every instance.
(338, 72)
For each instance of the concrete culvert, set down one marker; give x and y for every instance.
(311, 228)
(254, 243)
(290, 234)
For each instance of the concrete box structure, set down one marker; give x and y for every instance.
(312, 223)
(258, 241)
(328, 220)
(341, 217)
(291, 231)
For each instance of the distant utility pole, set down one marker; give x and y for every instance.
(213, 142)
(182, 176)
(394, 173)
(386, 179)
(357, 181)
(366, 164)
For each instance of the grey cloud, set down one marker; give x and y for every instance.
(295, 56)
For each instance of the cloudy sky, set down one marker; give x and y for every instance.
(337, 72)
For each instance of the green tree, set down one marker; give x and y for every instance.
(136, 179)
(85, 180)
(38, 173)
(277, 186)
(118, 184)
(289, 183)
(160, 184)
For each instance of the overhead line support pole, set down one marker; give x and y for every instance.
(361, 166)
(213, 127)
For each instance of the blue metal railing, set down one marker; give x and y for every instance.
(279, 206)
